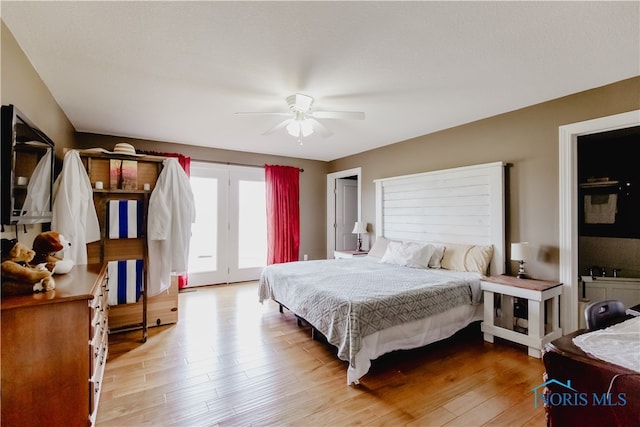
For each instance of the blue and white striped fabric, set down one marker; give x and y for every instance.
(125, 219)
(125, 281)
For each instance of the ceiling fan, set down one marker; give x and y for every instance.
(302, 119)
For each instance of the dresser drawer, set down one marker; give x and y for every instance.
(98, 345)
(99, 308)
(95, 383)
(99, 349)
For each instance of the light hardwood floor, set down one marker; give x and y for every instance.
(231, 361)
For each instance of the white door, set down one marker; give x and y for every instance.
(228, 239)
(346, 213)
(248, 224)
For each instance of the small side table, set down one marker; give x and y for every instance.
(537, 293)
(348, 254)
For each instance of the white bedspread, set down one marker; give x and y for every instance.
(618, 344)
(349, 299)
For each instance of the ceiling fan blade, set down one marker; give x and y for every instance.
(303, 102)
(257, 113)
(349, 115)
(277, 127)
(319, 128)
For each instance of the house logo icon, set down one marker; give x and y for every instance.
(536, 393)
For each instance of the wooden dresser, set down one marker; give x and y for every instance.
(54, 350)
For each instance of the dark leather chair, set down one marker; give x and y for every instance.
(601, 314)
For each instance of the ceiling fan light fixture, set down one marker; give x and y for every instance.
(294, 128)
(302, 120)
(306, 127)
(300, 127)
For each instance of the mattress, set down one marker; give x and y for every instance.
(348, 300)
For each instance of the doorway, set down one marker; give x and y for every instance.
(229, 237)
(346, 213)
(341, 212)
(568, 192)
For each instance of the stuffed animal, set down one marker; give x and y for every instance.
(18, 277)
(46, 246)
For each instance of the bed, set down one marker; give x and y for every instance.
(437, 234)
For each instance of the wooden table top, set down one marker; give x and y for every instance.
(79, 283)
(531, 284)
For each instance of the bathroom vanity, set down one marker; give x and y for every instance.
(625, 289)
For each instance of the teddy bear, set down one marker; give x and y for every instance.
(46, 245)
(18, 276)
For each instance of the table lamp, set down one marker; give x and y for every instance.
(520, 252)
(359, 228)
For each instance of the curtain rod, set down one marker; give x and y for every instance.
(235, 164)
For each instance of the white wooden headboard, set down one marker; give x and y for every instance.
(464, 205)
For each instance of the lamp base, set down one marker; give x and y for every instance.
(521, 273)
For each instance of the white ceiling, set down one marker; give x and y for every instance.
(178, 71)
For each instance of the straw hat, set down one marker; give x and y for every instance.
(124, 148)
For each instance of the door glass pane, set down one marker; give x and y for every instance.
(204, 232)
(252, 225)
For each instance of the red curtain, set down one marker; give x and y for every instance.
(283, 213)
(185, 162)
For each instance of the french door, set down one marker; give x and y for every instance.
(229, 237)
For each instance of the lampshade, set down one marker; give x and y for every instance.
(294, 128)
(520, 251)
(306, 127)
(359, 228)
(300, 126)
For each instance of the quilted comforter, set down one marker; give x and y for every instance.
(348, 299)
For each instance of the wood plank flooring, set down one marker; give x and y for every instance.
(231, 361)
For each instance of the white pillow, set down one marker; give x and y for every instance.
(436, 258)
(408, 254)
(438, 253)
(379, 247)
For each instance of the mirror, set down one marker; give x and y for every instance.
(27, 170)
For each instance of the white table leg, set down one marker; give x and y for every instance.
(535, 325)
(489, 313)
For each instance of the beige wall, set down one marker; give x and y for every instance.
(527, 139)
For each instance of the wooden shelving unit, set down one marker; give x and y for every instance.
(148, 311)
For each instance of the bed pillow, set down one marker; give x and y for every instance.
(438, 252)
(467, 258)
(408, 254)
(436, 258)
(379, 247)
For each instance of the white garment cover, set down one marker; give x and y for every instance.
(618, 344)
(36, 203)
(74, 214)
(171, 213)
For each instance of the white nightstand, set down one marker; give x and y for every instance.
(349, 254)
(537, 293)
